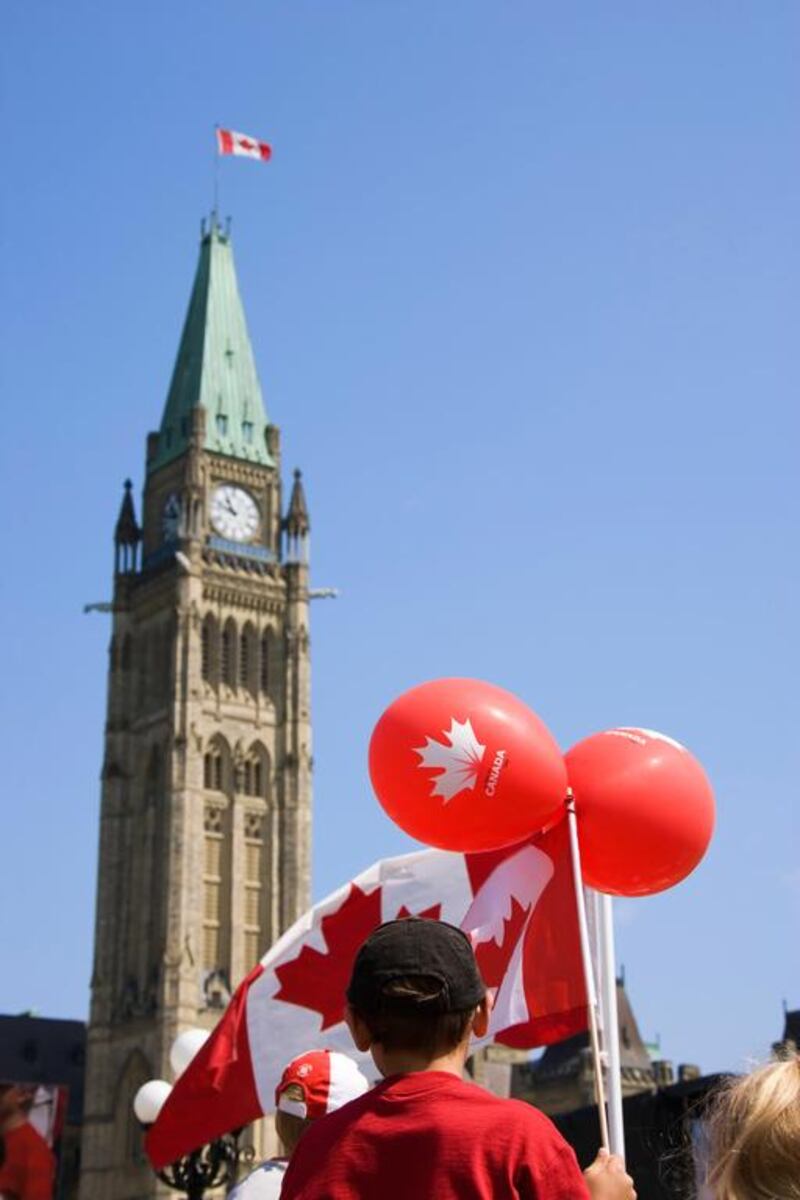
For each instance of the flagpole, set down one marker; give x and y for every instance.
(588, 968)
(608, 1003)
(215, 209)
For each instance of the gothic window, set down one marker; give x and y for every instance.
(264, 663)
(255, 773)
(205, 652)
(253, 867)
(247, 431)
(222, 425)
(208, 649)
(228, 655)
(212, 770)
(217, 766)
(246, 657)
(214, 886)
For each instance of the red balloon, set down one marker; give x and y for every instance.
(645, 810)
(464, 765)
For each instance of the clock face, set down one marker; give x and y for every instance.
(234, 513)
(171, 518)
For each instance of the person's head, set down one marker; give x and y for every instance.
(313, 1084)
(754, 1128)
(416, 994)
(15, 1099)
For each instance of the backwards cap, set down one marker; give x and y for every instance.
(416, 946)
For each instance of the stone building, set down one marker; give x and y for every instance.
(205, 825)
(562, 1079)
(50, 1052)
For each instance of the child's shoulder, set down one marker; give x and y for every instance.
(513, 1114)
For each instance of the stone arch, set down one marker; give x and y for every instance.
(217, 765)
(256, 774)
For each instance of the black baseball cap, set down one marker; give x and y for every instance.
(416, 946)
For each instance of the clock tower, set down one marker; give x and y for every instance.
(205, 823)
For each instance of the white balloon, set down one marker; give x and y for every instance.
(185, 1047)
(149, 1100)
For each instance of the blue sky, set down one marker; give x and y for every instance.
(523, 284)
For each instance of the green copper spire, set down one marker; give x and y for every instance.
(215, 369)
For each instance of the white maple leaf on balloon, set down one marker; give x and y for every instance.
(458, 759)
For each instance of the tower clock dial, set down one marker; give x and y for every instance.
(234, 513)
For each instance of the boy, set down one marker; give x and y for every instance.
(414, 1001)
(313, 1084)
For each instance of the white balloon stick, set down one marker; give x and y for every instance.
(610, 1021)
(588, 967)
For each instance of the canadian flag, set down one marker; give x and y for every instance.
(518, 906)
(230, 142)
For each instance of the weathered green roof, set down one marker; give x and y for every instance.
(215, 369)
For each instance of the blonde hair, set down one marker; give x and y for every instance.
(755, 1135)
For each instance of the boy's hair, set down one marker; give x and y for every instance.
(755, 1135)
(409, 1017)
(288, 1127)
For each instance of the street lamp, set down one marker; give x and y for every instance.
(208, 1166)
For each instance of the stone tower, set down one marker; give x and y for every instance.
(204, 854)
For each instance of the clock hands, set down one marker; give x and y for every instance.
(233, 513)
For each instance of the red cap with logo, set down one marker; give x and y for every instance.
(327, 1080)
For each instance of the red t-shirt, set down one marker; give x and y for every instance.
(431, 1134)
(29, 1167)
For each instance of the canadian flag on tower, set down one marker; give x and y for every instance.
(517, 905)
(230, 142)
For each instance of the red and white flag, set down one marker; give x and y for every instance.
(518, 906)
(230, 142)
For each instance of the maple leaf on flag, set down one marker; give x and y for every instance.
(458, 762)
(317, 979)
(494, 955)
